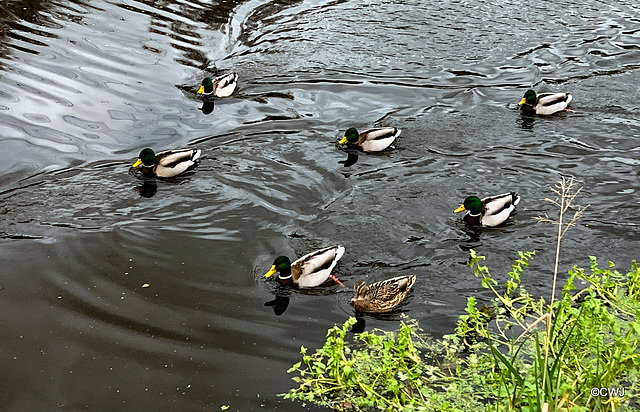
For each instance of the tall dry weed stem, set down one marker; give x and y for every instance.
(566, 192)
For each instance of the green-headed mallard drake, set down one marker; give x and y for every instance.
(222, 86)
(544, 103)
(381, 296)
(169, 163)
(371, 140)
(490, 211)
(310, 270)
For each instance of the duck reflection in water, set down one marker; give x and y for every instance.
(148, 188)
(279, 304)
(526, 122)
(473, 241)
(360, 325)
(352, 158)
(207, 107)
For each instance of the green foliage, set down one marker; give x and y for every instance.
(511, 306)
(515, 356)
(375, 370)
(590, 340)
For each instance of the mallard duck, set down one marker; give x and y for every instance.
(372, 140)
(490, 211)
(381, 296)
(544, 103)
(310, 270)
(222, 86)
(169, 163)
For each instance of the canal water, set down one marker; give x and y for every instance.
(123, 294)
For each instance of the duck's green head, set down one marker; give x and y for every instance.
(472, 203)
(351, 136)
(281, 264)
(147, 157)
(206, 86)
(528, 98)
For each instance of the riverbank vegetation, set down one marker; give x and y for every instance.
(517, 352)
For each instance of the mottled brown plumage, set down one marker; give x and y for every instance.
(381, 296)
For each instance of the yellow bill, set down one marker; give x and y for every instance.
(460, 209)
(137, 163)
(271, 272)
(201, 90)
(343, 140)
(523, 101)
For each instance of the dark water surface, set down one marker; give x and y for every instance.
(84, 85)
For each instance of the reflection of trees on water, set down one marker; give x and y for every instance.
(215, 15)
(262, 15)
(14, 14)
(181, 22)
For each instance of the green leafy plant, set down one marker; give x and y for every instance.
(375, 370)
(593, 342)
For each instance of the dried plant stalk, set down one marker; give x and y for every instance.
(566, 191)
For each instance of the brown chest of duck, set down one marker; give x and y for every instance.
(166, 164)
(313, 269)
